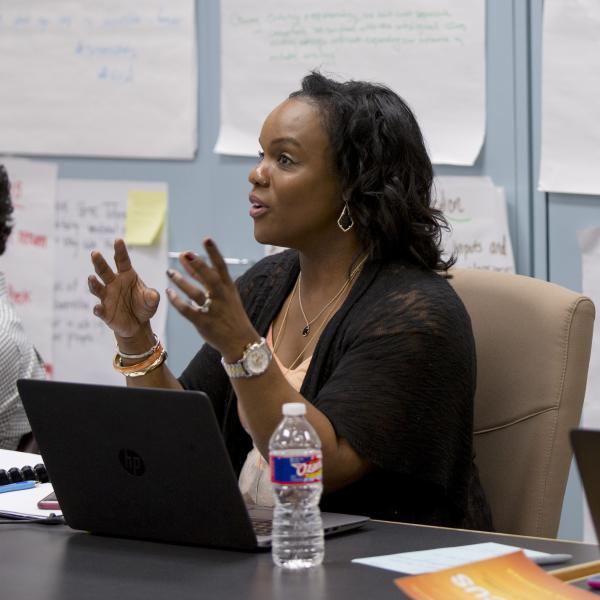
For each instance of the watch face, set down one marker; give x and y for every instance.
(257, 359)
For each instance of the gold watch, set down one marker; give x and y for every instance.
(255, 360)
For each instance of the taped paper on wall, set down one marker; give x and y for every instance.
(419, 48)
(476, 212)
(90, 216)
(111, 78)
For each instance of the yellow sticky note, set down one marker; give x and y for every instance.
(145, 217)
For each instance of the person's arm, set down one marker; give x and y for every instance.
(160, 377)
(11, 409)
(401, 392)
(260, 401)
(227, 328)
(126, 306)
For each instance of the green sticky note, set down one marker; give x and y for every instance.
(145, 218)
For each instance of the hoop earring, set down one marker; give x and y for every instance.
(345, 221)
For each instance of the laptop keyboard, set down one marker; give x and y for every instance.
(262, 526)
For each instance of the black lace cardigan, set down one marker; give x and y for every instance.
(394, 371)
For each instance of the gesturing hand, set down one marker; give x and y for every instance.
(126, 303)
(216, 310)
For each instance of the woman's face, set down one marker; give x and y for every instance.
(296, 198)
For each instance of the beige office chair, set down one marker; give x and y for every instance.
(533, 342)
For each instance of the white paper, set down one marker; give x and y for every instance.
(428, 561)
(23, 502)
(111, 78)
(570, 154)
(28, 263)
(589, 244)
(90, 216)
(476, 212)
(13, 458)
(419, 48)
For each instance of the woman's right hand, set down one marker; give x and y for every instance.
(126, 303)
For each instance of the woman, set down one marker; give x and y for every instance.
(353, 321)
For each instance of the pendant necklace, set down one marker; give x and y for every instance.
(306, 328)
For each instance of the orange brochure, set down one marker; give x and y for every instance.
(509, 577)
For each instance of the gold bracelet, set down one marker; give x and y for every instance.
(125, 369)
(159, 361)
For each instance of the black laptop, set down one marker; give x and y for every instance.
(586, 448)
(145, 463)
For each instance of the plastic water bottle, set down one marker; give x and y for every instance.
(296, 474)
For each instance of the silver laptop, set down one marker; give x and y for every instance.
(145, 463)
(586, 448)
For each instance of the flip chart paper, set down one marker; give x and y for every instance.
(90, 216)
(476, 212)
(570, 152)
(28, 263)
(431, 52)
(111, 78)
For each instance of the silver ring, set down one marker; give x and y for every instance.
(205, 306)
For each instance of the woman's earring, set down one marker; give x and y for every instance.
(345, 222)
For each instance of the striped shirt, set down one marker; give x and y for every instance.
(18, 358)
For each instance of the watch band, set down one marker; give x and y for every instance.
(238, 369)
(234, 370)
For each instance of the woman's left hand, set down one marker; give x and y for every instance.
(216, 311)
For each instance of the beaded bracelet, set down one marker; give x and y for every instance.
(143, 354)
(141, 368)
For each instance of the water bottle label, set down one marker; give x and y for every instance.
(296, 469)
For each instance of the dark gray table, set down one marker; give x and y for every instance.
(57, 563)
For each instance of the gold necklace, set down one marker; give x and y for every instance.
(284, 320)
(295, 362)
(306, 328)
(323, 323)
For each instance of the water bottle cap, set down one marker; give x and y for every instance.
(294, 409)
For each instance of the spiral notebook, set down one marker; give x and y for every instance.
(145, 463)
(23, 503)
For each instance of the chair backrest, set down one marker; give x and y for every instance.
(533, 341)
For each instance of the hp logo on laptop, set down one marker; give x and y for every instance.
(131, 461)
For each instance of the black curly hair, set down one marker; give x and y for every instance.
(385, 171)
(6, 209)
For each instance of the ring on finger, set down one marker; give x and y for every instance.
(204, 307)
